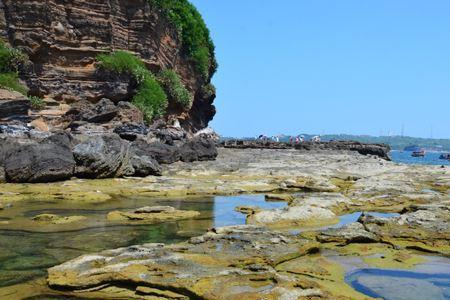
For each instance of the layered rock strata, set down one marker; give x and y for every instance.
(63, 39)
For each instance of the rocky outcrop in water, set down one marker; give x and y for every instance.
(380, 150)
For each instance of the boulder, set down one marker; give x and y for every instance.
(103, 156)
(152, 214)
(198, 149)
(13, 104)
(131, 131)
(102, 112)
(45, 161)
(351, 233)
(57, 220)
(162, 153)
(168, 135)
(145, 166)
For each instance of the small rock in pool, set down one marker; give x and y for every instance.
(55, 219)
(154, 209)
(152, 214)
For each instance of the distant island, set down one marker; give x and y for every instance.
(396, 142)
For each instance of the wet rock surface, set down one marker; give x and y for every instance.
(48, 160)
(379, 150)
(216, 265)
(151, 214)
(60, 156)
(281, 258)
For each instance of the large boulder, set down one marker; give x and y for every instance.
(198, 149)
(145, 165)
(162, 153)
(45, 161)
(103, 156)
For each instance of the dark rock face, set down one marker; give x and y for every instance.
(103, 156)
(46, 161)
(130, 132)
(198, 149)
(13, 104)
(162, 153)
(63, 39)
(145, 165)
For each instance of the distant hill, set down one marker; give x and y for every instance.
(396, 142)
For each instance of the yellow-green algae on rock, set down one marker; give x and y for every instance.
(334, 182)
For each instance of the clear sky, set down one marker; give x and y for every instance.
(331, 66)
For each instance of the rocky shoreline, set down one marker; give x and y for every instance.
(61, 156)
(380, 150)
(280, 251)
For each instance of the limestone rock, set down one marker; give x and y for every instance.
(45, 161)
(145, 166)
(102, 157)
(162, 153)
(55, 219)
(152, 214)
(280, 197)
(198, 149)
(352, 233)
(292, 215)
(230, 262)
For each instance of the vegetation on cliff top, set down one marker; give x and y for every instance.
(150, 97)
(153, 92)
(10, 61)
(197, 43)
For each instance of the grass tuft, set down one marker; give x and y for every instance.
(174, 88)
(150, 97)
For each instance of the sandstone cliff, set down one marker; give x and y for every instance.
(63, 38)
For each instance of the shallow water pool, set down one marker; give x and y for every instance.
(428, 281)
(27, 248)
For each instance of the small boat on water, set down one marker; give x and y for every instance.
(445, 156)
(420, 153)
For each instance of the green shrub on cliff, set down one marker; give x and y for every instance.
(10, 61)
(174, 88)
(10, 58)
(37, 103)
(120, 62)
(197, 43)
(10, 81)
(150, 97)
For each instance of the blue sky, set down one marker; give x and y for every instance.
(328, 66)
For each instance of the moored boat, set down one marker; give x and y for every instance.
(445, 156)
(420, 153)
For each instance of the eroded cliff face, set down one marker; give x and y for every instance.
(64, 37)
